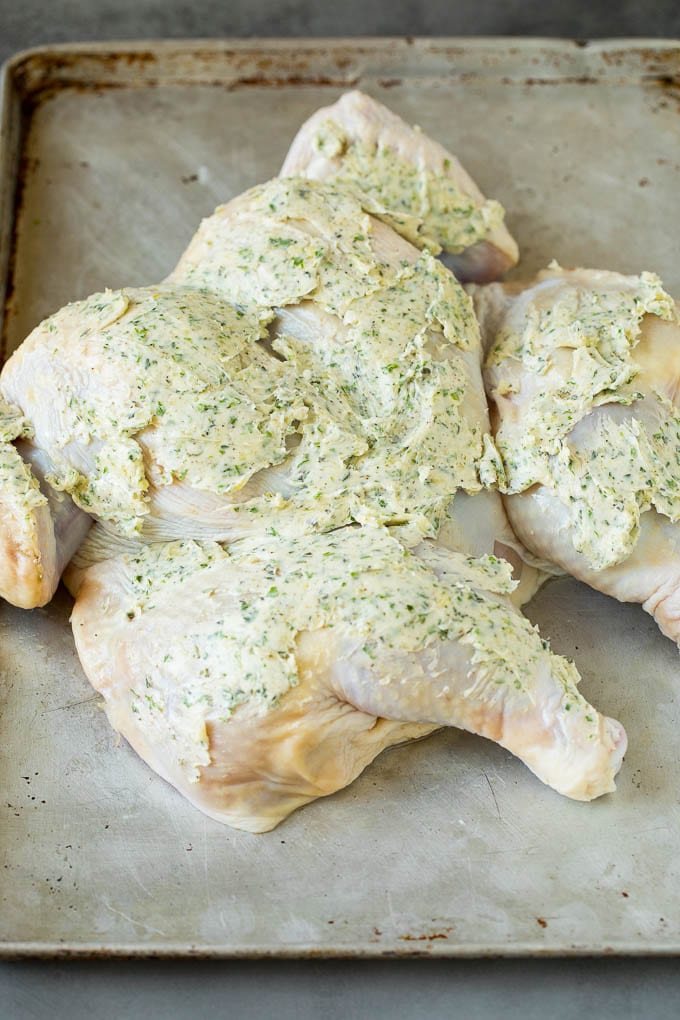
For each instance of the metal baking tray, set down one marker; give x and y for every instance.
(111, 154)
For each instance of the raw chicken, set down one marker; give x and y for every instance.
(257, 679)
(583, 372)
(408, 180)
(306, 386)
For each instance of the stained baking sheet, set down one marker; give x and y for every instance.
(111, 154)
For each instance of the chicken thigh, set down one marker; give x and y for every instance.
(583, 371)
(408, 180)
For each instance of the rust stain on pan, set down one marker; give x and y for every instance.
(39, 69)
(26, 166)
(262, 81)
(427, 936)
(37, 97)
(652, 59)
(45, 72)
(670, 88)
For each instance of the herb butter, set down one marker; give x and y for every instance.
(391, 432)
(426, 207)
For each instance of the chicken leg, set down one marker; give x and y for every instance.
(258, 678)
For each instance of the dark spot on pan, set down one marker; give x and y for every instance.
(669, 87)
(281, 81)
(389, 83)
(542, 922)
(582, 79)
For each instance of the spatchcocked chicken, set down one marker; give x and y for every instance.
(295, 561)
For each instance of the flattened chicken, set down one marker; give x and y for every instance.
(583, 371)
(259, 678)
(305, 386)
(408, 180)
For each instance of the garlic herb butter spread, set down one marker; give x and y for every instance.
(375, 334)
(176, 371)
(590, 427)
(360, 582)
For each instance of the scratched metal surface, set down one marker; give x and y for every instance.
(445, 847)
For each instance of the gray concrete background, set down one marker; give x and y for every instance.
(473, 990)
(30, 22)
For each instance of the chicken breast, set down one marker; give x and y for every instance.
(408, 180)
(179, 387)
(583, 371)
(297, 336)
(258, 678)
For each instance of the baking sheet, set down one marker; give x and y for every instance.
(110, 156)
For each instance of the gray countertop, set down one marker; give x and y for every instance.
(33, 22)
(529, 989)
(338, 990)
